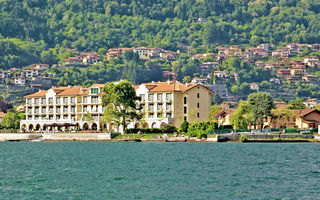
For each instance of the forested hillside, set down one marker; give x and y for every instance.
(89, 25)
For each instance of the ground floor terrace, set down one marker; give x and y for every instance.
(62, 126)
(151, 123)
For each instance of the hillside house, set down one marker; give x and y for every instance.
(254, 86)
(73, 60)
(311, 61)
(283, 72)
(116, 52)
(42, 66)
(20, 80)
(311, 103)
(221, 74)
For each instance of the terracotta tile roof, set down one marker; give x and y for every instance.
(40, 93)
(222, 112)
(171, 86)
(72, 91)
(84, 91)
(304, 112)
(99, 85)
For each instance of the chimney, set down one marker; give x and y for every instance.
(168, 82)
(69, 86)
(187, 84)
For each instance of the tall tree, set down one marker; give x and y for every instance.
(242, 116)
(261, 105)
(296, 104)
(120, 101)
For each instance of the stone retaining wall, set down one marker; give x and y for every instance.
(236, 137)
(4, 137)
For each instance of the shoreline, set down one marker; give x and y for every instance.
(105, 137)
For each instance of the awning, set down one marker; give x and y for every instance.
(60, 124)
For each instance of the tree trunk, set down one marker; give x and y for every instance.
(124, 125)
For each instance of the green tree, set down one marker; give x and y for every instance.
(296, 104)
(261, 104)
(120, 101)
(282, 116)
(214, 112)
(242, 116)
(10, 121)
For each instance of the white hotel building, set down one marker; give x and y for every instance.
(68, 108)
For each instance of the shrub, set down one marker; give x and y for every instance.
(184, 126)
(168, 129)
(243, 138)
(200, 129)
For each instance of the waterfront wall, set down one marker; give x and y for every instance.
(236, 137)
(4, 137)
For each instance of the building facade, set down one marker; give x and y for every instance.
(64, 108)
(77, 108)
(171, 103)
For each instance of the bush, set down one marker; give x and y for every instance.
(184, 126)
(243, 138)
(168, 129)
(200, 129)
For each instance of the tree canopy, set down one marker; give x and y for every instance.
(120, 101)
(261, 105)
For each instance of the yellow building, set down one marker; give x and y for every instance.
(172, 102)
(67, 108)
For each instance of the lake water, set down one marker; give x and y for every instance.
(104, 170)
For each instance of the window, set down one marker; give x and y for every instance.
(150, 97)
(65, 100)
(43, 101)
(65, 109)
(73, 99)
(151, 115)
(94, 90)
(36, 101)
(159, 115)
(43, 110)
(198, 95)
(50, 117)
(58, 117)
(58, 100)
(159, 107)
(185, 100)
(151, 107)
(65, 116)
(198, 115)
(168, 97)
(50, 101)
(94, 99)
(198, 105)
(85, 100)
(84, 108)
(185, 118)
(58, 109)
(73, 109)
(169, 107)
(185, 110)
(159, 97)
(169, 115)
(143, 98)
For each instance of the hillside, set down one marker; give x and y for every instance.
(88, 25)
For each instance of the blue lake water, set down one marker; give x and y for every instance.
(104, 170)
